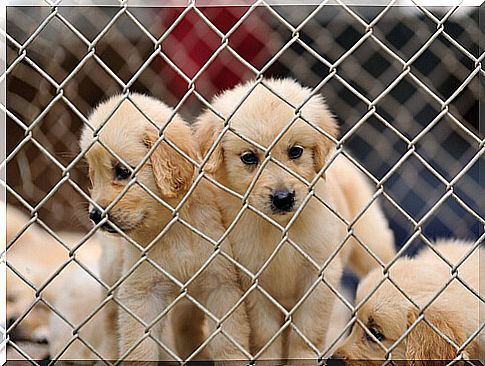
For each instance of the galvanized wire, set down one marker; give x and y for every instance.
(335, 74)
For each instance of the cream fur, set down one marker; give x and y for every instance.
(37, 256)
(77, 297)
(180, 251)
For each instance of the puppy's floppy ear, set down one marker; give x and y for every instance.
(173, 172)
(424, 344)
(207, 129)
(324, 145)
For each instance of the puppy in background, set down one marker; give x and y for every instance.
(284, 272)
(37, 256)
(387, 314)
(177, 253)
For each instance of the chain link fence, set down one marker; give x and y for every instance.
(403, 82)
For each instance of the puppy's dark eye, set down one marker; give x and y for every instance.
(249, 158)
(295, 152)
(379, 336)
(122, 172)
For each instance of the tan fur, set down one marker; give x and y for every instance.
(28, 255)
(109, 265)
(261, 118)
(455, 312)
(78, 296)
(371, 229)
(173, 174)
(424, 343)
(180, 251)
(37, 256)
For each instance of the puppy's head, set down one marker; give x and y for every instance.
(384, 316)
(260, 122)
(388, 314)
(128, 133)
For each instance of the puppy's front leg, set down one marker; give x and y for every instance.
(219, 302)
(146, 306)
(188, 329)
(311, 318)
(265, 320)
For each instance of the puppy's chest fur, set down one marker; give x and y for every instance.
(181, 253)
(288, 273)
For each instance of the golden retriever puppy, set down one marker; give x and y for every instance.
(36, 256)
(288, 261)
(388, 314)
(163, 257)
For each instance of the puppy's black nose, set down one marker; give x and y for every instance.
(283, 200)
(95, 215)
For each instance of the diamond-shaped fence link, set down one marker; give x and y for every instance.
(404, 84)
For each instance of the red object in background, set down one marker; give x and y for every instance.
(192, 43)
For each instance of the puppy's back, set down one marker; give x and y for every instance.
(454, 251)
(372, 227)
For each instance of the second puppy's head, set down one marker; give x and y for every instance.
(256, 125)
(126, 131)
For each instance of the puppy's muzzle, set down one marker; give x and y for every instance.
(283, 200)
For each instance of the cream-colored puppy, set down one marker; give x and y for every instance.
(37, 257)
(281, 259)
(388, 314)
(175, 259)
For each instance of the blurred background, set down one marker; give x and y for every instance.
(56, 53)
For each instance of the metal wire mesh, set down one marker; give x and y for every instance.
(404, 83)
